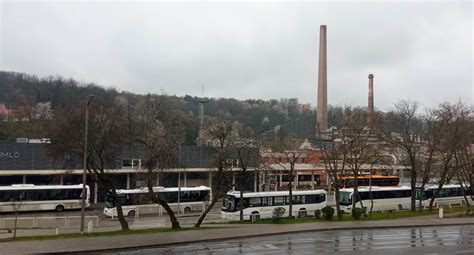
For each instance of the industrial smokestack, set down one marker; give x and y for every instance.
(370, 108)
(322, 113)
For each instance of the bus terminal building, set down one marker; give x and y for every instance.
(29, 163)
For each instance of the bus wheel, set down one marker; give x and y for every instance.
(187, 210)
(255, 216)
(59, 208)
(302, 213)
(131, 213)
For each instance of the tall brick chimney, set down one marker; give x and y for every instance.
(370, 108)
(322, 113)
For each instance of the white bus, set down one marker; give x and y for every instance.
(384, 198)
(262, 204)
(137, 201)
(29, 197)
(449, 195)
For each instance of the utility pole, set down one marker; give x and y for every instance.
(84, 174)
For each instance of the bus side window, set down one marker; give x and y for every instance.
(29, 195)
(55, 194)
(266, 201)
(443, 193)
(255, 202)
(279, 200)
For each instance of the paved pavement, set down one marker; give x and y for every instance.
(229, 232)
(432, 240)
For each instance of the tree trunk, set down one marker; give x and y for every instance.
(171, 215)
(441, 182)
(118, 206)
(241, 201)
(356, 191)
(371, 201)
(164, 204)
(121, 218)
(370, 192)
(420, 201)
(208, 209)
(436, 192)
(290, 197)
(338, 205)
(413, 188)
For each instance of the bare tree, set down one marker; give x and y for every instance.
(464, 157)
(245, 148)
(287, 151)
(334, 157)
(431, 135)
(106, 137)
(361, 150)
(407, 126)
(455, 128)
(219, 141)
(160, 134)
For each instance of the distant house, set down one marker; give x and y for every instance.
(9, 113)
(5, 113)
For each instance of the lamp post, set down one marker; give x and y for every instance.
(84, 175)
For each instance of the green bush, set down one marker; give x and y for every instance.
(317, 214)
(328, 212)
(357, 212)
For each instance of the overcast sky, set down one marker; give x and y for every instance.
(419, 50)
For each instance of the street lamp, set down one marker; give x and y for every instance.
(84, 175)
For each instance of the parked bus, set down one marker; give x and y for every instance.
(138, 200)
(29, 197)
(367, 180)
(449, 195)
(302, 180)
(261, 204)
(384, 198)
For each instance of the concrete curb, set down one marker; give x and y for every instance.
(131, 247)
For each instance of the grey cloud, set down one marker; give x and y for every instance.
(245, 50)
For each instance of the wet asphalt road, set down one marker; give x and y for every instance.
(440, 240)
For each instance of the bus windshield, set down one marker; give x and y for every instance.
(228, 204)
(345, 198)
(109, 202)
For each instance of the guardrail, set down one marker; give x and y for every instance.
(42, 222)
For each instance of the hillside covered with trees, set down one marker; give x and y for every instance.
(34, 102)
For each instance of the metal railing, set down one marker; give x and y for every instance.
(42, 222)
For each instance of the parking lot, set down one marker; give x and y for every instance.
(70, 219)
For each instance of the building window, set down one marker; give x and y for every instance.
(232, 162)
(131, 163)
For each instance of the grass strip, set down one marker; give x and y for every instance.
(386, 215)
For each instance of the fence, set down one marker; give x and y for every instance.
(46, 222)
(154, 208)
